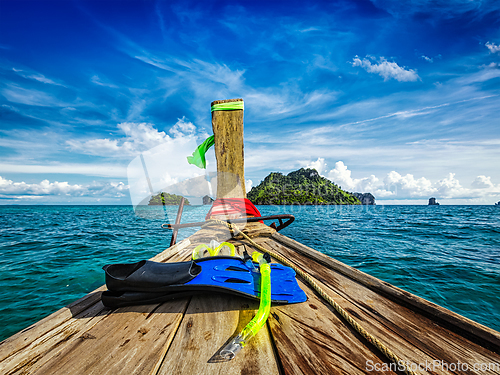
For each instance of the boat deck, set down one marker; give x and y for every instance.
(184, 336)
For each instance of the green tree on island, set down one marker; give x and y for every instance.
(166, 199)
(304, 186)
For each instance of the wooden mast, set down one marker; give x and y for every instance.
(228, 136)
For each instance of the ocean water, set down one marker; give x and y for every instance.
(53, 255)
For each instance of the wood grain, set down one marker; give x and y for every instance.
(211, 321)
(311, 339)
(228, 136)
(130, 340)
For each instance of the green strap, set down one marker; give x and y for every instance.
(198, 157)
(229, 106)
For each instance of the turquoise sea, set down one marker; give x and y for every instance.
(52, 255)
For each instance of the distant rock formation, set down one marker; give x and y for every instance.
(432, 202)
(207, 200)
(366, 199)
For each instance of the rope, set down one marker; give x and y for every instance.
(349, 319)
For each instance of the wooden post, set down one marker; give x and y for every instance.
(228, 136)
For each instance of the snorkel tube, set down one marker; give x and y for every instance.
(259, 320)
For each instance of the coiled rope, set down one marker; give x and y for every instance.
(400, 364)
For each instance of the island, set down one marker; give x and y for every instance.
(366, 199)
(166, 199)
(432, 202)
(207, 200)
(304, 186)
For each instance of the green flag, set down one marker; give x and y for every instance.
(198, 157)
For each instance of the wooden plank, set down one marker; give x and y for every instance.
(45, 346)
(24, 338)
(311, 339)
(179, 248)
(480, 334)
(228, 136)
(410, 335)
(130, 340)
(211, 321)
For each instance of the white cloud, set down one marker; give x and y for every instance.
(101, 169)
(482, 182)
(159, 160)
(387, 69)
(397, 186)
(248, 185)
(427, 58)
(182, 128)
(493, 47)
(449, 187)
(197, 69)
(209, 80)
(319, 165)
(45, 187)
(139, 137)
(441, 8)
(35, 76)
(16, 94)
(407, 185)
(342, 177)
(11, 189)
(100, 82)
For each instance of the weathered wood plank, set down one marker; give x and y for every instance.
(311, 339)
(221, 233)
(210, 322)
(228, 136)
(177, 249)
(412, 336)
(130, 340)
(22, 339)
(34, 354)
(483, 335)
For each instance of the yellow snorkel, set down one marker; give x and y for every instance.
(259, 320)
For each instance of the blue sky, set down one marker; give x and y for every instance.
(397, 98)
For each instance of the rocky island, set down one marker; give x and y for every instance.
(366, 199)
(304, 186)
(166, 199)
(432, 202)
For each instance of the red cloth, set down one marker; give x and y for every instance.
(230, 206)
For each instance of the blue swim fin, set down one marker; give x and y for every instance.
(149, 282)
